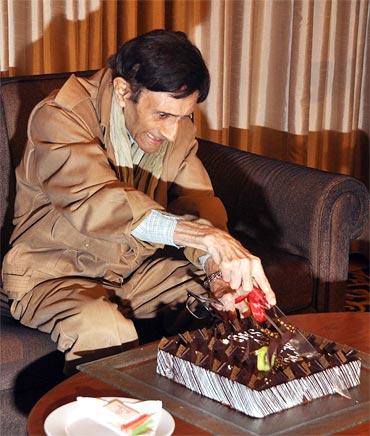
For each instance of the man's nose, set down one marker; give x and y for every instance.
(169, 129)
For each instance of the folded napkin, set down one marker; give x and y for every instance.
(123, 416)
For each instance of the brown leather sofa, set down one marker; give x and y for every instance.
(300, 221)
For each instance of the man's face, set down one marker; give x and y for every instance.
(155, 117)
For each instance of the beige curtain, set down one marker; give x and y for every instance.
(290, 78)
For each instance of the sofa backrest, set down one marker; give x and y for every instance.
(18, 96)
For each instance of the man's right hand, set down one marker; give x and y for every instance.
(240, 269)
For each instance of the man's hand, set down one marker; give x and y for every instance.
(240, 269)
(221, 290)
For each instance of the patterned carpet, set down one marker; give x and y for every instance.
(358, 294)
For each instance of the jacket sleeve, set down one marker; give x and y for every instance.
(192, 193)
(73, 171)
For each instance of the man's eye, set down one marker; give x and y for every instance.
(163, 115)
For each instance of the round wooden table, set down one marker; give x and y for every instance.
(351, 328)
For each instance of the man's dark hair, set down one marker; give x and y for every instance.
(162, 61)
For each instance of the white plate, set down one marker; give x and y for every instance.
(67, 420)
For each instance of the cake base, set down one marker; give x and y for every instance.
(134, 372)
(256, 403)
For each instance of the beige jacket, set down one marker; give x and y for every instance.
(73, 216)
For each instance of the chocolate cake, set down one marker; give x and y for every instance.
(254, 369)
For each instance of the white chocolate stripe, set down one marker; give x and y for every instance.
(252, 402)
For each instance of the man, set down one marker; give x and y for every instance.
(109, 180)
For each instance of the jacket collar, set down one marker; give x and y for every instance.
(104, 95)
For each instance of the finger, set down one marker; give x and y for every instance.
(247, 283)
(262, 282)
(235, 278)
(259, 277)
(246, 313)
(241, 272)
(267, 290)
(243, 308)
(226, 272)
(228, 301)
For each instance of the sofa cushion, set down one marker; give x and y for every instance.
(28, 357)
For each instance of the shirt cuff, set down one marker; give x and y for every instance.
(157, 228)
(203, 260)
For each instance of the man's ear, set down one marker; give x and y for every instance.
(122, 90)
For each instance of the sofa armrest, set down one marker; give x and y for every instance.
(304, 211)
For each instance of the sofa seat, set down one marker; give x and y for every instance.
(30, 366)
